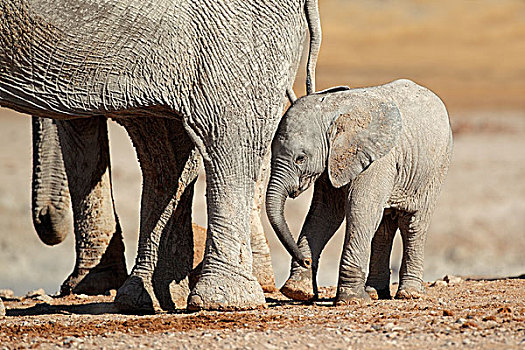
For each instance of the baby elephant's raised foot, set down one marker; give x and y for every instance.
(299, 287)
(376, 293)
(409, 293)
(350, 296)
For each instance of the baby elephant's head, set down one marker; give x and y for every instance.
(340, 129)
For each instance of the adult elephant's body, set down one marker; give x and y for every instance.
(215, 70)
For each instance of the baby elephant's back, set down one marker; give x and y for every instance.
(426, 126)
(425, 144)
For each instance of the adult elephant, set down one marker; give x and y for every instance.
(176, 75)
(100, 263)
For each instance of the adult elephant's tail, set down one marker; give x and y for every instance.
(51, 208)
(314, 27)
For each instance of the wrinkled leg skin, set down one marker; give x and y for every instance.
(169, 163)
(378, 282)
(364, 214)
(100, 262)
(413, 227)
(326, 214)
(262, 262)
(51, 204)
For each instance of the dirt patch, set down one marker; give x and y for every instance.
(468, 313)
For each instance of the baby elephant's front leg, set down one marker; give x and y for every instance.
(362, 223)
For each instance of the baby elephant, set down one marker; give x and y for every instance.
(378, 156)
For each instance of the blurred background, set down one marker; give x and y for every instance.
(471, 53)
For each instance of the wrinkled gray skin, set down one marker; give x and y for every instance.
(378, 156)
(175, 74)
(100, 263)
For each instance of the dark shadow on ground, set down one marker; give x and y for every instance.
(82, 309)
(488, 278)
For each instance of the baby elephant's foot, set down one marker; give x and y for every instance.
(299, 286)
(352, 296)
(378, 293)
(409, 292)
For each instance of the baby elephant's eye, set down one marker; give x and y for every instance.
(300, 159)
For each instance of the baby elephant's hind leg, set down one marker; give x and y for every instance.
(413, 229)
(378, 282)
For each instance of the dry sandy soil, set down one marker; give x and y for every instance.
(466, 314)
(471, 53)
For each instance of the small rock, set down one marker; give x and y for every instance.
(376, 327)
(35, 293)
(7, 293)
(72, 340)
(439, 283)
(389, 326)
(466, 341)
(448, 313)
(82, 296)
(461, 320)
(45, 298)
(504, 310)
(452, 279)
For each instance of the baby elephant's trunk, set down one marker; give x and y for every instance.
(275, 199)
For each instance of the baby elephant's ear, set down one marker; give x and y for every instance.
(362, 134)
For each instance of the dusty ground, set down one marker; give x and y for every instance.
(467, 314)
(471, 54)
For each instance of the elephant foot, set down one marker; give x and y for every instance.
(352, 296)
(94, 281)
(136, 296)
(299, 286)
(263, 272)
(378, 293)
(409, 292)
(227, 293)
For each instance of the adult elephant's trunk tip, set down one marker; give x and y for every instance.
(275, 200)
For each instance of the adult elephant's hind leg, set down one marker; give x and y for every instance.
(164, 259)
(378, 282)
(100, 264)
(413, 227)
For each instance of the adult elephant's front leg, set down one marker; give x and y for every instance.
(262, 262)
(164, 259)
(227, 281)
(100, 264)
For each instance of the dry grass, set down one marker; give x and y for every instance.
(470, 52)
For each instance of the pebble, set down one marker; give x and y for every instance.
(450, 279)
(45, 298)
(72, 340)
(439, 283)
(7, 293)
(461, 320)
(2, 308)
(466, 341)
(35, 293)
